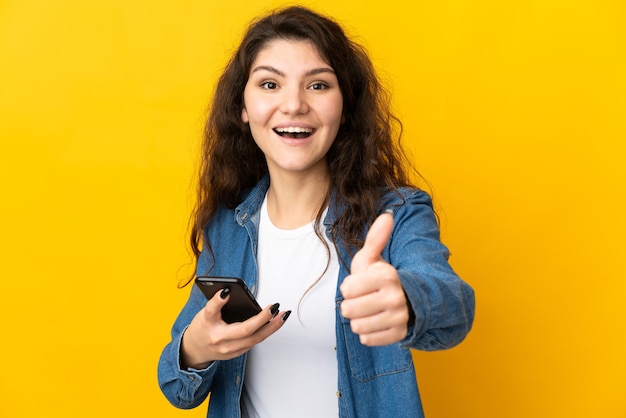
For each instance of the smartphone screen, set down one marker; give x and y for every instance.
(241, 304)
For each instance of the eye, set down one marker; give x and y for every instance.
(319, 85)
(268, 85)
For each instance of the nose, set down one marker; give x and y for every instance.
(294, 101)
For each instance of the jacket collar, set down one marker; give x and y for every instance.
(253, 199)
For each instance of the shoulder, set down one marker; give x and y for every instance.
(405, 197)
(413, 210)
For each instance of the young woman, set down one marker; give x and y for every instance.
(304, 194)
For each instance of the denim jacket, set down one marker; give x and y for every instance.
(373, 381)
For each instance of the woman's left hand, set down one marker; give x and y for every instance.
(374, 300)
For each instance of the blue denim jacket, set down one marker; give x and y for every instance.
(373, 381)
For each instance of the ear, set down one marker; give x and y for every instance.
(244, 116)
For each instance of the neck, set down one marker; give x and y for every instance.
(295, 201)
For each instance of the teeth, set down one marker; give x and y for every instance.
(294, 130)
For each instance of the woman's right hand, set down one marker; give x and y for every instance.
(209, 338)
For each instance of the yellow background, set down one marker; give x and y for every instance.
(514, 111)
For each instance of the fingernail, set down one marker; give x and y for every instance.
(225, 292)
(389, 211)
(286, 315)
(274, 309)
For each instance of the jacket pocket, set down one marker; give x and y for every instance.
(367, 363)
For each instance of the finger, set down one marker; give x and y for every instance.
(258, 335)
(389, 298)
(377, 276)
(386, 337)
(361, 307)
(273, 325)
(256, 322)
(379, 322)
(235, 339)
(375, 242)
(213, 307)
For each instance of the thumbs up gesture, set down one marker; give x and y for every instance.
(374, 300)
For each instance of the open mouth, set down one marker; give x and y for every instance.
(294, 132)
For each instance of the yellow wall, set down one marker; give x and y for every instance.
(515, 112)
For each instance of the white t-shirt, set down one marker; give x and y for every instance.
(293, 373)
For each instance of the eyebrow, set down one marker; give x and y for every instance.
(276, 71)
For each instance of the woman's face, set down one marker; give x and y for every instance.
(293, 105)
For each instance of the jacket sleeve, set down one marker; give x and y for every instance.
(442, 303)
(186, 388)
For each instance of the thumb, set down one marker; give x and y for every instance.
(375, 241)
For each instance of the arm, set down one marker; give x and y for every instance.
(201, 340)
(184, 388)
(401, 287)
(442, 304)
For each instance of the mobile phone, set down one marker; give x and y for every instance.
(241, 305)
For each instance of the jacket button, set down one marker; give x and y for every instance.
(338, 394)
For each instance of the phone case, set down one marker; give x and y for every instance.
(241, 304)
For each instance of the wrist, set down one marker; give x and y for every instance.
(188, 358)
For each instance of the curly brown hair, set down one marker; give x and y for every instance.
(365, 160)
